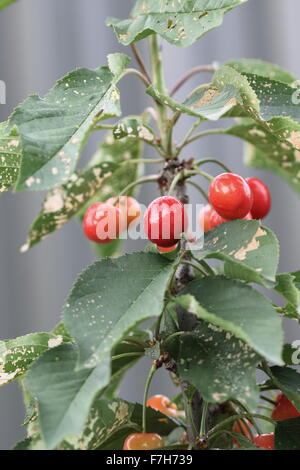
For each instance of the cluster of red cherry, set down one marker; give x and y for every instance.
(231, 197)
(284, 409)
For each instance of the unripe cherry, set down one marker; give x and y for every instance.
(261, 198)
(129, 207)
(143, 441)
(164, 221)
(163, 404)
(103, 223)
(231, 196)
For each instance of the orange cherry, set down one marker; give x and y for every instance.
(129, 207)
(143, 441)
(163, 249)
(204, 217)
(162, 404)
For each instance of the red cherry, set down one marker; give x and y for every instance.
(284, 409)
(231, 196)
(162, 404)
(216, 219)
(264, 441)
(204, 217)
(164, 221)
(162, 249)
(261, 198)
(129, 207)
(103, 222)
(143, 441)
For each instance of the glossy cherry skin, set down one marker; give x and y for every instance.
(143, 441)
(216, 219)
(169, 249)
(204, 217)
(284, 409)
(264, 441)
(164, 221)
(162, 404)
(261, 198)
(102, 222)
(129, 207)
(231, 196)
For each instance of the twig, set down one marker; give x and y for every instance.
(140, 62)
(190, 74)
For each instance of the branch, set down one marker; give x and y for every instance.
(190, 74)
(140, 62)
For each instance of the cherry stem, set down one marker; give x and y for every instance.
(194, 266)
(204, 418)
(147, 386)
(145, 179)
(201, 190)
(268, 400)
(205, 134)
(190, 74)
(140, 61)
(212, 160)
(121, 356)
(220, 426)
(137, 73)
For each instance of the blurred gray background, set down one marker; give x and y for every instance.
(40, 41)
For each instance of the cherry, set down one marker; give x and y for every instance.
(162, 404)
(204, 217)
(231, 196)
(168, 249)
(164, 221)
(103, 222)
(264, 441)
(261, 198)
(129, 207)
(240, 428)
(284, 409)
(216, 219)
(143, 441)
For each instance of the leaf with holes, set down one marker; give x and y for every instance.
(133, 127)
(250, 252)
(65, 201)
(54, 129)
(262, 68)
(10, 157)
(219, 365)
(267, 151)
(287, 434)
(17, 355)
(97, 318)
(180, 22)
(64, 395)
(208, 102)
(238, 309)
(110, 422)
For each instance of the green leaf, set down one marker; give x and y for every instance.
(10, 157)
(267, 151)
(133, 127)
(110, 422)
(17, 355)
(289, 381)
(117, 63)
(66, 201)
(64, 395)
(286, 287)
(287, 434)
(54, 129)
(238, 309)
(180, 22)
(264, 69)
(208, 102)
(250, 252)
(30, 443)
(5, 3)
(290, 355)
(220, 366)
(111, 297)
